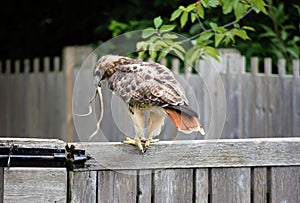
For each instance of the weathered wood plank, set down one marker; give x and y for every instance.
(1, 184)
(173, 185)
(187, 154)
(117, 186)
(201, 185)
(82, 187)
(231, 185)
(260, 189)
(285, 184)
(3, 103)
(33, 143)
(144, 186)
(296, 98)
(35, 184)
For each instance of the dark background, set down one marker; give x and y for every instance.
(30, 28)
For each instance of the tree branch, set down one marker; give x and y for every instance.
(224, 26)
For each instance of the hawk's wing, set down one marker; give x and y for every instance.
(147, 83)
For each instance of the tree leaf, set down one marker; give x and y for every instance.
(157, 22)
(169, 36)
(190, 7)
(166, 28)
(183, 19)
(178, 47)
(240, 33)
(141, 46)
(227, 6)
(260, 5)
(248, 28)
(193, 17)
(175, 14)
(148, 32)
(213, 26)
(209, 3)
(152, 39)
(163, 53)
(212, 52)
(178, 54)
(205, 36)
(218, 39)
(200, 11)
(240, 9)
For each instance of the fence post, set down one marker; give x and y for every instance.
(73, 57)
(1, 184)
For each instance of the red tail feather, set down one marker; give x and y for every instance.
(184, 122)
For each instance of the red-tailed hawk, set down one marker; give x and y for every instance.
(147, 87)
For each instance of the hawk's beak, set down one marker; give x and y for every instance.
(97, 81)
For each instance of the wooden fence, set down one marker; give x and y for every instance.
(212, 171)
(36, 98)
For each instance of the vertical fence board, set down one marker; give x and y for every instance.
(268, 71)
(259, 184)
(35, 184)
(3, 108)
(116, 186)
(285, 183)
(82, 187)
(17, 98)
(59, 108)
(144, 186)
(275, 107)
(231, 185)
(1, 184)
(254, 74)
(173, 185)
(247, 105)
(234, 67)
(33, 101)
(9, 85)
(201, 185)
(296, 99)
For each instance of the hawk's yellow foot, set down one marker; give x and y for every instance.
(148, 141)
(137, 142)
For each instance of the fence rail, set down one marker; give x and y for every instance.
(36, 98)
(226, 170)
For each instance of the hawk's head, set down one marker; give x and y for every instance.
(107, 65)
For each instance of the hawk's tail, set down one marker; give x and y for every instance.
(184, 122)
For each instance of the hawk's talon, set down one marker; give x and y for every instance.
(136, 142)
(148, 141)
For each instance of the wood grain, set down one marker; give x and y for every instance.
(285, 184)
(172, 185)
(201, 185)
(231, 185)
(35, 184)
(193, 154)
(1, 184)
(83, 187)
(117, 186)
(144, 186)
(260, 189)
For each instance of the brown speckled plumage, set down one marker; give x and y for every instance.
(147, 86)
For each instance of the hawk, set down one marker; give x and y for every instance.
(147, 87)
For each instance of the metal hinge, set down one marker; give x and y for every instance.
(15, 156)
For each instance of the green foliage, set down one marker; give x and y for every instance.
(159, 40)
(278, 38)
